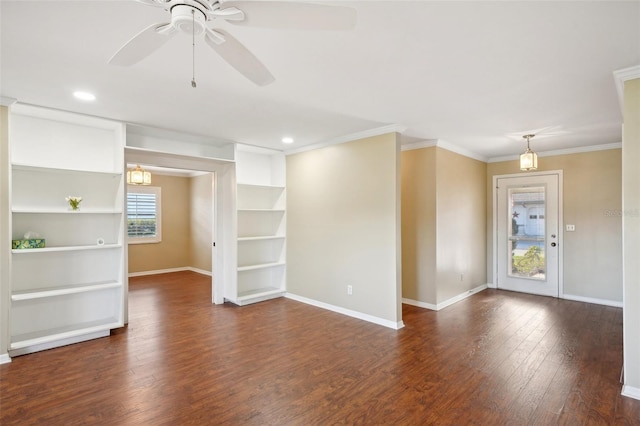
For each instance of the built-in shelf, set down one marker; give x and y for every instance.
(32, 210)
(249, 185)
(261, 226)
(264, 238)
(261, 210)
(67, 248)
(262, 292)
(56, 334)
(60, 291)
(260, 266)
(72, 289)
(57, 170)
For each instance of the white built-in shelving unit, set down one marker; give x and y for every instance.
(71, 290)
(261, 204)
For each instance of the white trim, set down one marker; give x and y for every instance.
(447, 302)
(631, 392)
(256, 149)
(492, 285)
(462, 151)
(355, 314)
(444, 145)
(169, 270)
(7, 101)
(620, 76)
(392, 128)
(199, 271)
(566, 151)
(419, 145)
(419, 304)
(593, 300)
(5, 359)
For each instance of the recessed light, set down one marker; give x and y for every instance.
(287, 140)
(84, 96)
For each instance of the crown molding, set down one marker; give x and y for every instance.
(392, 128)
(428, 143)
(620, 77)
(462, 151)
(7, 101)
(567, 151)
(444, 145)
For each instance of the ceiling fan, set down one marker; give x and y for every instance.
(194, 16)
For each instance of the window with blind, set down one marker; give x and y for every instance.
(144, 224)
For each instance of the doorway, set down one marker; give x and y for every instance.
(527, 233)
(223, 209)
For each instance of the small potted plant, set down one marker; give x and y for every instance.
(74, 202)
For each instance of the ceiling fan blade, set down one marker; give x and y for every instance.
(238, 56)
(292, 15)
(143, 44)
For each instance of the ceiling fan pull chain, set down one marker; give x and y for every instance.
(193, 47)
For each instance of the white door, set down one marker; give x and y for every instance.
(528, 234)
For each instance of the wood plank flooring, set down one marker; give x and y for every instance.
(495, 358)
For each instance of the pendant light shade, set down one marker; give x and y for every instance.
(138, 176)
(529, 159)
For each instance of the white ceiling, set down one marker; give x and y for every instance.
(474, 74)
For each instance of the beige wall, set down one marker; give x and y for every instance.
(631, 168)
(343, 226)
(461, 209)
(443, 217)
(592, 199)
(173, 251)
(200, 222)
(186, 227)
(419, 225)
(5, 286)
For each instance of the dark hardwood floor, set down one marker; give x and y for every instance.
(495, 358)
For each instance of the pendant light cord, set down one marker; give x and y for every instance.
(193, 47)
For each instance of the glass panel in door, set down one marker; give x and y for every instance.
(526, 233)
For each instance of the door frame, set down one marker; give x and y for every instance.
(223, 212)
(560, 224)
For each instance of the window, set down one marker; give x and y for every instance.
(144, 224)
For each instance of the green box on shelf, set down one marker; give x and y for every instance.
(27, 244)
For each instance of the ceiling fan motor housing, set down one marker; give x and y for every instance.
(188, 19)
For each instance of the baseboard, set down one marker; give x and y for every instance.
(491, 285)
(355, 314)
(631, 392)
(5, 358)
(605, 302)
(447, 302)
(199, 271)
(167, 271)
(419, 304)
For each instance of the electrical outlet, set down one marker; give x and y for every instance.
(570, 228)
(349, 290)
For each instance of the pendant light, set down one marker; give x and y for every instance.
(138, 176)
(528, 160)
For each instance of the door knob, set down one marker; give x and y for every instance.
(553, 244)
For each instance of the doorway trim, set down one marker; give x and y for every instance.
(494, 265)
(223, 209)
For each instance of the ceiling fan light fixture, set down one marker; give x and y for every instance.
(528, 159)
